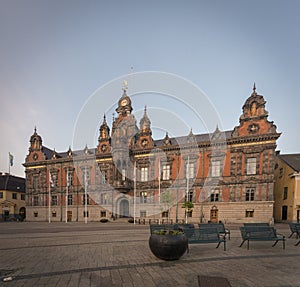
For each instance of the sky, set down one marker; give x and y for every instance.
(55, 57)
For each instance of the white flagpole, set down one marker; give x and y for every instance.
(67, 194)
(85, 196)
(187, 185)
(134, 191)
(49, 198)
(159, 189)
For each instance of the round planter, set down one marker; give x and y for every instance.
(168, 247)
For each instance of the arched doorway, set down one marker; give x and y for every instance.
(124, 208)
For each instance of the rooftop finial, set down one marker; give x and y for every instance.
(254, 88)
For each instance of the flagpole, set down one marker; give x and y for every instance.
(187, 186)
(134, 191)
(159, 189)
(49, 198)
(9, 163)
(67, 193)
(85, 196)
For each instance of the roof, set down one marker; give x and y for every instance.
(12, 183)
(293, 160)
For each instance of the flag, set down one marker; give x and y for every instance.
(11, 159)
(51, 180)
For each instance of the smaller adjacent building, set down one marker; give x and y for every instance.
(287, 187)
(12, 197)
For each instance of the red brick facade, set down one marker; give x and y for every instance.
(228, 176)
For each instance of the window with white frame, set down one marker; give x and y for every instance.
(104, 198)
(251, 165)
(190, 169)
(250, 192)
(70, 199)
(144, 173)
(166, 172)
(216, 168)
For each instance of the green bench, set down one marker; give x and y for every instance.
(261, 233)
(293, 228)
(204, 235)
(256, 224)
(220, 226)
(298, 233)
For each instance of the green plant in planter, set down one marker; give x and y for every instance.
(168, 243)
(168, 232)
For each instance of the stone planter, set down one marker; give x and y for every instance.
(168, 247)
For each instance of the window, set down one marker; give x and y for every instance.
(102, 213)
(22, 196)
(53, 213)
(144, 173)
(285, 192)
(104, 198)
(166, 172)
(165, 214)
(143, 213)
(104, 176)
(85, 214)
(86, 177)
(281, 172)
(251, 165)
(35, 183)
(189, 196)
(70, 199)
(249, 213)
(143, 197)
(35, 214)
(14, 195)
(215, 168)
(190, 170)
(83, 199)
(1, 194)
(35, 200)
(54, 200)
(250, 194)
(214, 196)
(69, 178)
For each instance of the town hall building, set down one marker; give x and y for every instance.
(223, 175)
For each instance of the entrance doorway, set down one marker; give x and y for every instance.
(6, 215)
(214, 214)
(69, 215)
(124, 208)
(284, 212)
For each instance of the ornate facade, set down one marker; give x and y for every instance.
(228, 176)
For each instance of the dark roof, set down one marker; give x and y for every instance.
(12, 183)
(293, 160)
(199, 138)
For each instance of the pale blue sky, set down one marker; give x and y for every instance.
(55, 54)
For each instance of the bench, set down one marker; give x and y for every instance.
(293, 228)
(298, 233)
(256, 224)
(204, 235)
(220, 226)
(261, 233)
